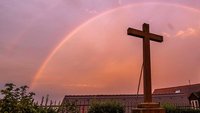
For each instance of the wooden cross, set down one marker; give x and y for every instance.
(146, 56)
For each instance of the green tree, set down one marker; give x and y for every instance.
(16, 99)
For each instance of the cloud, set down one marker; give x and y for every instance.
(82, 85)
(166, 34)
(186, 33)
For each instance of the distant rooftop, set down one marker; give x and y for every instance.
(186, 89)
(170, 91)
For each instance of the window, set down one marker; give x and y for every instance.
(178, 91)
(195, 103)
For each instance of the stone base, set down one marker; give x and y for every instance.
(149, 105)
(148, 108)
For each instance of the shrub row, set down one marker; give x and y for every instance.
(106, 107)
(170, 108)
(183, 111)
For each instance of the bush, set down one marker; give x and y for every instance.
(183, 111)
(68, 107)
(106, 107)
(170, 108)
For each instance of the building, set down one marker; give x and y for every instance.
(186, 89)
(191, 92)
(194, 99)
(180, 96)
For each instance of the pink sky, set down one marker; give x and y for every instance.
(81, 47)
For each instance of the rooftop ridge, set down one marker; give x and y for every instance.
(119, 95)
(178, 86)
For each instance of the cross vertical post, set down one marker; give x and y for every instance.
(147, 36)
(147, 65)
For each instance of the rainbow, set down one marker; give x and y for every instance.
(68, 37)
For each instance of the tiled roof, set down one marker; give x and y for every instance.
(119, 95)
(186, 89)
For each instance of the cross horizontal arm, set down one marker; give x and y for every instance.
(156, 37)
(135, 32)
(141, 34)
